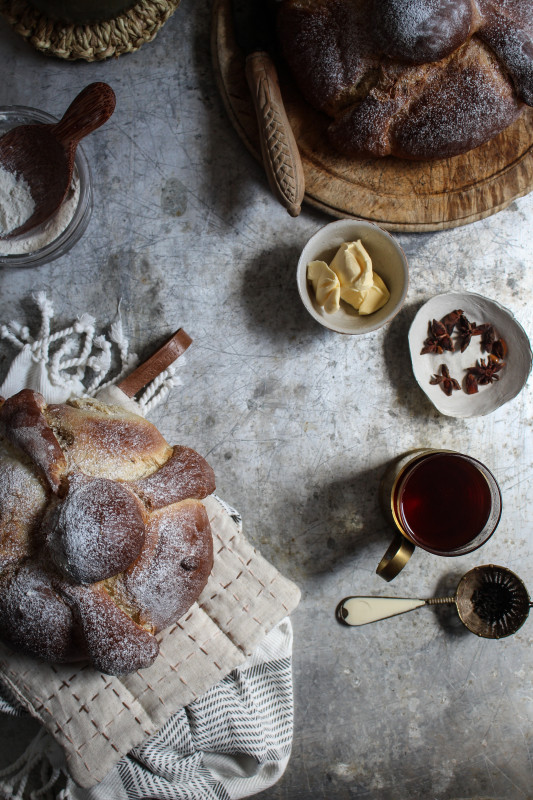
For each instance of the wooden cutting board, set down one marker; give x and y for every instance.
(398, 195)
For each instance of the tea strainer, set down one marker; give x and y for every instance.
(491, 601)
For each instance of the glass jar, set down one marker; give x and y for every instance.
(56, 236)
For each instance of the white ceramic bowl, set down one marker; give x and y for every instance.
(388, 260)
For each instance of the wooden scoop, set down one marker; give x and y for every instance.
(156, 364)
(43, 154)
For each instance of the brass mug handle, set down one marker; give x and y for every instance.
(396, 557)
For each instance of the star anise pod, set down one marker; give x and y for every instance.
(499, 348)
(445, 381)
(483, 373)
(466, 330)
(451, 319)
(471, 384)
(492, 345)
(438, 339)
(488, 338)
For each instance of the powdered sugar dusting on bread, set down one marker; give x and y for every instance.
(374, 117)
(97, 531)
(446, 117)
(509, 33)
(185, 474)
(174, 568)
(329, 48)
(23, 423)
(422, 30)
(115, 643)
(33, 617)
(31, 440)
(457, 114)
(112, 450)
(108, 442)
(22, 504)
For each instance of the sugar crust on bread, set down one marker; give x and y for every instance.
(104, 540)
(417, 79)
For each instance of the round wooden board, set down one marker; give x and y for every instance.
(398, 195)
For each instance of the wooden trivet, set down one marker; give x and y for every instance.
(94, 41)
(396, 194)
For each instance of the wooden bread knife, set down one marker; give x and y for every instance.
(281, 157)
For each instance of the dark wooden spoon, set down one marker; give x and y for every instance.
(43, 154)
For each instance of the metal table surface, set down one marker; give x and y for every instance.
(299, 423)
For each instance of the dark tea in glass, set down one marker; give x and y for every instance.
(446, 503)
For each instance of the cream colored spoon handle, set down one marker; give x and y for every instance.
(362, 610)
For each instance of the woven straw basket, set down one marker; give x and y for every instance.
(92, 41)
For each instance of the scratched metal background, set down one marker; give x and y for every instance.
(299, 423)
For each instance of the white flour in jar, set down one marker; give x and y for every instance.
(16, 203)
(49, 231)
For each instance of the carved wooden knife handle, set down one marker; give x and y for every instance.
(278, 146)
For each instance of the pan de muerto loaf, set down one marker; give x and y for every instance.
(417, 79)
(103, 538)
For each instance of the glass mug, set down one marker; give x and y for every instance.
(442, 501)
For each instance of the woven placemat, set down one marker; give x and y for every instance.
(93, 41)
(98, 718)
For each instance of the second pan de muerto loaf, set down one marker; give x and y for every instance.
(417, 79)
(104, 540)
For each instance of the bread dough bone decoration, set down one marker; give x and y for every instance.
(350, 278)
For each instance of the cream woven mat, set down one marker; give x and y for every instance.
(94, 41)
(97, 718)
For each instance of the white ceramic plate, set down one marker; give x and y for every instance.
(388, 260)
(476, 308)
